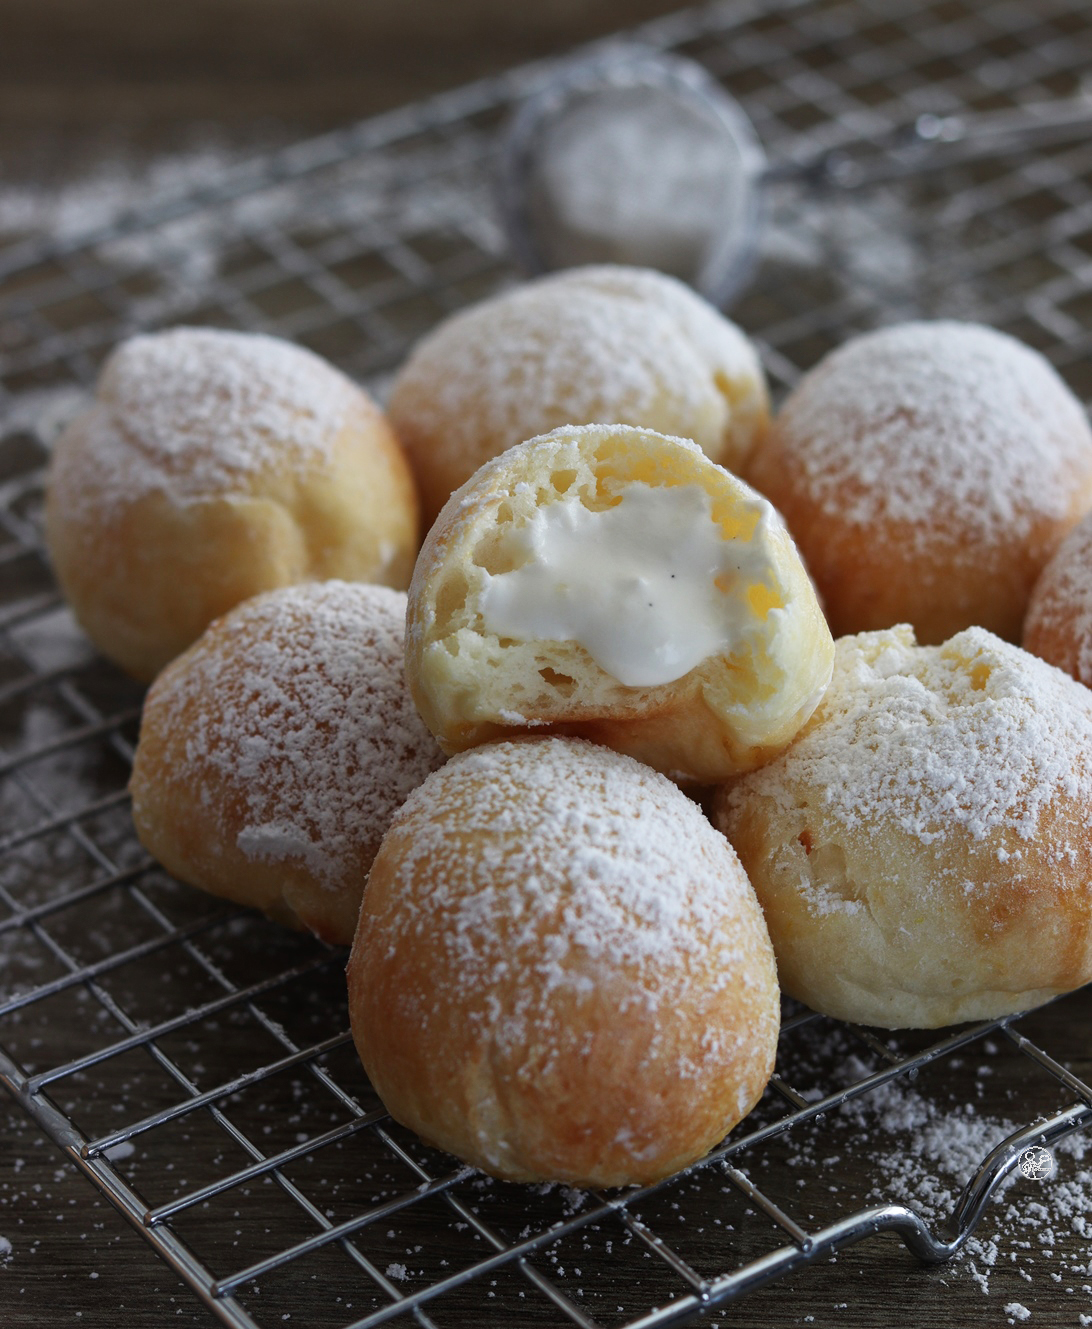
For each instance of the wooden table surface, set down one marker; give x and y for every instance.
(74, 1259)
(81, 84)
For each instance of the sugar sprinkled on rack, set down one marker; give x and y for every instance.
(923, 1152)
(105, 189)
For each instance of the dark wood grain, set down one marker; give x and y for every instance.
(71, 1252)
(81, 82)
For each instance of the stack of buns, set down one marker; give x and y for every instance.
(561, 970)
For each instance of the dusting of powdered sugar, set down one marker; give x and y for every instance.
(1061, 604)
(604, 344)
(719, 344)
(922, 1150)
(193, 412)
(931, 419)
(587, 865)
(297, 701)
(965, 738)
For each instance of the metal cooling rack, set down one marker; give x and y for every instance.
(194, 1061)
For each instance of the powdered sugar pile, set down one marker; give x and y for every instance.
(192, 411)
(297, 703)
(932, 1154)
(939, 421)
(968, 738)
(935, 1151)
(922, 1154)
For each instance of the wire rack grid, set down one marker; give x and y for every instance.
(193, 1060)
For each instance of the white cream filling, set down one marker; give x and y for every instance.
(650, 587)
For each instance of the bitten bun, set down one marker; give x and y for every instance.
(613, 584)
(560, 971)
(211, 466)
(923, 851)
(275, 751)
(928, 472)
(1058, 627)
(590, 345)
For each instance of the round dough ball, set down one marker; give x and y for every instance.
(211, 466)
(1058, 627)
(923, 851)
(589, 345)
(560, 971)
(275, 751)
(928, 472)
(613, 584)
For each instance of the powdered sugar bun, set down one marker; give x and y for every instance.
(211, 466)
(275, 751)
(615, 584)
(923, 851)
(1058, 627)
(589, 345)
(561, 972)
(928, 472)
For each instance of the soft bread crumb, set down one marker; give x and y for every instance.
(729, 713)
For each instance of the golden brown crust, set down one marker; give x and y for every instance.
(544, 984)
(928, 472)
(870, 578)
(730, 713)
(606, 343)
(155, 530)
(274, 752)
(923, 852)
